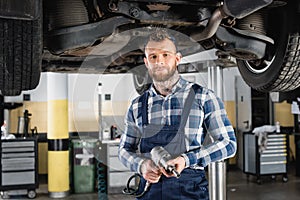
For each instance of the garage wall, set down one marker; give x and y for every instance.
(229, 75)
(285, 118)
(283, 114)
(37, 106)
(117, 92)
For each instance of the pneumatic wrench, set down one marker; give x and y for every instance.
(160, 157)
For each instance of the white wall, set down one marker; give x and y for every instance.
(229, 75)
(38, 94)
(84, 86)
(83, 95)
(200, 78)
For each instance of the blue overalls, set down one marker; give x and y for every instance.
(192, 183)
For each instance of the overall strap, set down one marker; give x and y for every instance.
(185, 112)
(188, 105)
(144, 109)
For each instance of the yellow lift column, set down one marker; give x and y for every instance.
(58, 135)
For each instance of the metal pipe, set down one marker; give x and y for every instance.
(216, 170)
(212, 25)
(100, 96)
(217, 180)
(231, 8)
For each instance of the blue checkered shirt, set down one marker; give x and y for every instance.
(207, 118)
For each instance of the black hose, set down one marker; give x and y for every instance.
(131, 191)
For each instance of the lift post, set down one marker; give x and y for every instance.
(216, 170)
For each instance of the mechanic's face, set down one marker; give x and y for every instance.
(161, 59)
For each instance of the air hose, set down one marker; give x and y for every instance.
(134, 191)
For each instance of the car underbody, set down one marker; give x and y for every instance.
(261, 37)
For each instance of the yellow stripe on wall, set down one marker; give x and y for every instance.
(38, 117)
(230, 109)
(283, 114)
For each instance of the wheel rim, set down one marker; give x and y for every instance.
(31, 194)
(259, 69)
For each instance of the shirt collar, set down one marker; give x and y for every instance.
(181, 83)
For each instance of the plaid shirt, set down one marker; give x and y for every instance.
(207, 118)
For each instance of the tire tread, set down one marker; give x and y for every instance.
(21, 55)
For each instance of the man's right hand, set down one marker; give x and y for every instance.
(150, 171)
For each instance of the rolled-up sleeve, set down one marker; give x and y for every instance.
(218, 127)
(128, 148)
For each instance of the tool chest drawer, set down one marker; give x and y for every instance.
(266, 157)
(19, 163)
(115, 173)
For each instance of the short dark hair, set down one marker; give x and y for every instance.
(159, 35)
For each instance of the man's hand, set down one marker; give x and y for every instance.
(178, 163)
(150, 171)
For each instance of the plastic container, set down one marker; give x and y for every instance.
(84, 165)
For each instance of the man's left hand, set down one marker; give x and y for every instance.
(178, 163)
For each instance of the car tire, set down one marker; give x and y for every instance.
(282, 72)
(20, 55)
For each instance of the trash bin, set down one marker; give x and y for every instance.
(83, 165)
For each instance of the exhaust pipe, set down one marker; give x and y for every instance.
(232, 8)
(212, 25)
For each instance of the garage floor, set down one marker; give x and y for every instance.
(239, 187)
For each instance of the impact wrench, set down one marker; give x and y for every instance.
(160, 157)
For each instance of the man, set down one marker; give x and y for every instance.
(176, 115)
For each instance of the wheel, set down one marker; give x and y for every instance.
(20, 55)
(273, 177)
(4, 195)
(31, 194)
(141, 79)
(258, 181)
(285, 179)
(279, 70)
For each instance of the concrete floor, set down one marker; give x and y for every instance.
(239, 187)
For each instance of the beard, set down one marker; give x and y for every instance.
(159, 74)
